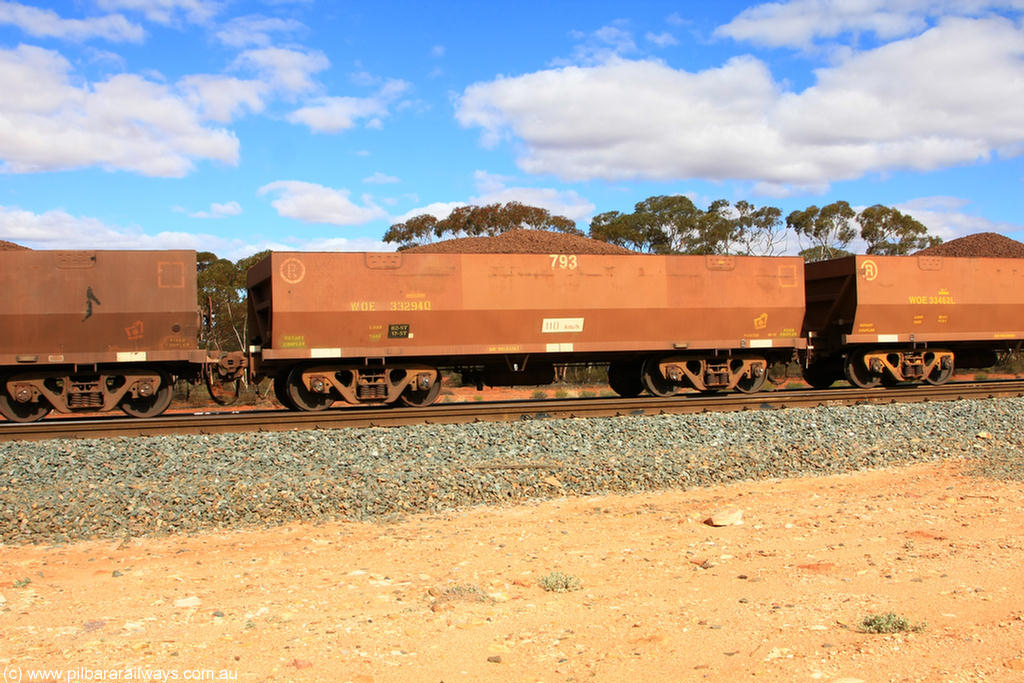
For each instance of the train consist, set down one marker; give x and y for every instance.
(102, 330)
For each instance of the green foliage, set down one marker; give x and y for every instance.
(539, 394)
(416, 230)
(889, 232)
(828, 230)
(761, 230)
(222, 298)
(581, 374)
(21, 583)
(557, 582)
(196, 396)
(658, 225)
(888, 623)
(819, 253)
(622, 230)
(674, 225)
(476, 221)
(1011, 363)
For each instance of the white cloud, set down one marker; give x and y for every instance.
(603, 44)
(931, 107)
(379, 178)
(913, 104)
(58, 229)
(782, 190)
(219, 210)
(221, 98)
(226, 209)
(167, 11)
(256, 30)
(314, 244)
(286, 69)
(948, 217)
(336, 114)
(629, 118)
(44, 23)
(664, 39)
(105, 59)
(799, 23)
(346, 244)
(315, 203)
(125, 122)
(676, 20)
(439, 210)
(494, 189)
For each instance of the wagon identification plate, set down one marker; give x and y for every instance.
(399, 331)
(551, 325)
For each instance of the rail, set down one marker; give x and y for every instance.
(495, 411)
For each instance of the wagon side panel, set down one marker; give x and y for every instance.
(97, 306)
(938, 299)
(387, 305)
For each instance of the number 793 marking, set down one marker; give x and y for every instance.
(564, 261)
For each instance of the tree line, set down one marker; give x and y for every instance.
(673, 224)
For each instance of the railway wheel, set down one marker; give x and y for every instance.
(889, 381)
(301, 397)
(858, 374)
(656, 383)
(16, 411)
(153, 405)
(939, 375)
(624, 379)
(752, 384)
(419, 398)
(281, 391)
(821, 375)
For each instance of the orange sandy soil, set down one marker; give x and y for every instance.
(459, 596)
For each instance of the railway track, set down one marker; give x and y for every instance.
(357, 417)
(497, 411)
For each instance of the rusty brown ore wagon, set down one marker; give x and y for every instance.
(95, 330)
(379, 327)
(889, 319)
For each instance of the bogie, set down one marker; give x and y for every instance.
(317, 387)
(139, 392)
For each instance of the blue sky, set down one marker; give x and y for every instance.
(235, 126)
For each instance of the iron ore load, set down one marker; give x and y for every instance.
(105, 330)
